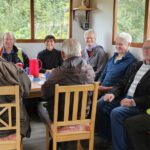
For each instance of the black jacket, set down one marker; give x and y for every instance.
(142, 92)
(49, 59)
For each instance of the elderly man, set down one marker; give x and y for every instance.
(11, 53)
(131, 96)
(74, 70)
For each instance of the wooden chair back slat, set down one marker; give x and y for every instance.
(84, 105)
(67, 104)
(75, 104)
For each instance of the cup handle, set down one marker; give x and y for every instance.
(40, 62)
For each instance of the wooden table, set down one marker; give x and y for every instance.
(35, 89)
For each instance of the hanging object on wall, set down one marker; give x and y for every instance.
(83, 20)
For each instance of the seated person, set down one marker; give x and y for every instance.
(94, 54)
(130, 97)
(10, 74)
(12, 53)
(118, 64)
(74, 70)
(138, 132)
(50, 57)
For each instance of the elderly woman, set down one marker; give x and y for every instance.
(50, 57)
(118, 64)
(11, 53)
(93, 53)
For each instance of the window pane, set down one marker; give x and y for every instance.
(130, 18)
(15, 17)
(51, 17)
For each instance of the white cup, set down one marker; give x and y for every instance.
(31, 77)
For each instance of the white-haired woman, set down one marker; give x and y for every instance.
(118, 64)
(11, 53)
(93, 53)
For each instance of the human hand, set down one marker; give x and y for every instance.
(127, 102)
(104, 89)
(109, 97)
(19, 64)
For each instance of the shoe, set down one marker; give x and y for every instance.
(100, 143)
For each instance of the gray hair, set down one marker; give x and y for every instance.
(71, 48)
(9, 34)
(89, 31)
(126, 37)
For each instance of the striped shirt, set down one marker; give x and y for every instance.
(140, 73)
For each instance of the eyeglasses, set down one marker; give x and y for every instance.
(146, 47)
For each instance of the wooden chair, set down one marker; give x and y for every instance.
(13, 141)
(76, 128)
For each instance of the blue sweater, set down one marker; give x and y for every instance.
(114, 71)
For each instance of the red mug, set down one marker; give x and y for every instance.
(19, 64)
(34, 67)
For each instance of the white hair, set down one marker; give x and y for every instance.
(89, 31)
(71, 48)
(9, 34)
(126, 37)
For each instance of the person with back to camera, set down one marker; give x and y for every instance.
(73, 71)
(12, 53)
(129, 97)
(118, 64)
(94, 54)
(50, 57)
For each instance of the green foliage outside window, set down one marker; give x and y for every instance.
(50, 17)
(15, 17)
(130, 18)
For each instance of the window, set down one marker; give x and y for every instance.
(132, 16)
(32, 20)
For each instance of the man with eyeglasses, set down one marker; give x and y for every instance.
(130, 97)
(138, 127)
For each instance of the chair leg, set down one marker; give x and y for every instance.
(91, 143)
(54, 144)
(78, 145)
(47, 137)
(21, 146)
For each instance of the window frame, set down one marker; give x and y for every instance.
(33, 40)
(146, 23)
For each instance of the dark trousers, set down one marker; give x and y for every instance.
(102, 124)
(110, 119)
(137, 129)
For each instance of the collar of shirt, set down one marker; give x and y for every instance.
(90, 48)
(4, 51)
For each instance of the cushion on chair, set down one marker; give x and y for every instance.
(9, 137)
(74, 128)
